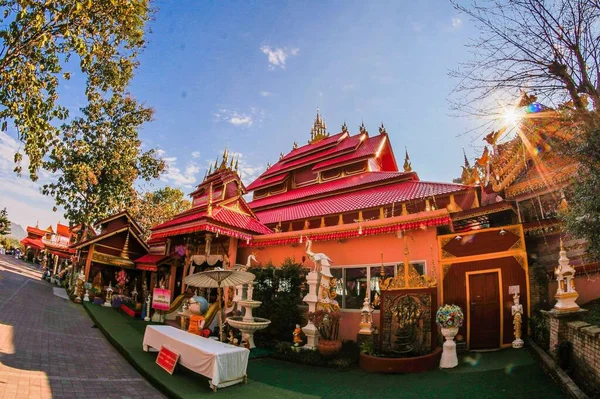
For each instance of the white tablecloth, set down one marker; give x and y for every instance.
(224, 364)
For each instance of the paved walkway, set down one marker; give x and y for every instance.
(48, 347)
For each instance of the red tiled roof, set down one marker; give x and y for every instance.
(328, 187)
(283, 165)
(266, 181)
(151, 259)
(36, 231)
(220, 214)
(368, 198)
(63, 230)
(30, 242)
(311, 147)
(367, 149)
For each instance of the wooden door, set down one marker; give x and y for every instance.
(484, 317)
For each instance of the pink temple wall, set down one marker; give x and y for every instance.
(422, 246)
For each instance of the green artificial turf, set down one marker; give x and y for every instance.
(504, 374)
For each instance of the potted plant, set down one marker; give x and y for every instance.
(450, 318)
(328, 324)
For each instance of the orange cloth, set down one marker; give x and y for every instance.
(194, 326)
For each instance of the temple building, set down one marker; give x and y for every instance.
(526, 172)
(346, 194)
(118, 242)
(49, 247)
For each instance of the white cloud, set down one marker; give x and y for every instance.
(349, 86)
(248, 172)
(196, 154)
(278, 56)
(22, 198)
(456, 22)
(266, 93)
(173, 174)
(237, 118)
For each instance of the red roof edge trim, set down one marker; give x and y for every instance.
(354, 233)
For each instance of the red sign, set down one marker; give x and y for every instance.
(167, 359)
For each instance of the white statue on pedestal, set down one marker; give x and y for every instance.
(517, 313)
(148, 303)
(109, 294)
(566, 295)
(310, 330)
(366, 321)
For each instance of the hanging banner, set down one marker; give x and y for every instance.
(161, 299)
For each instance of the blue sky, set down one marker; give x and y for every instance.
(250, 75)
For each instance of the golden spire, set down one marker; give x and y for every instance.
(210, 195)
(382, 129)
(236, 163)
(344, 128)
(467, 164)
(319, 129)
(362, 128)
(125, 251)
(217, 163)
(224, 159)
(407, 164)
(231, 163)
(209, 171)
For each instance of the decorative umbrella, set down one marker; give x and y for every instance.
(219, 278)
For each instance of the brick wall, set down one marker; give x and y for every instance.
(586, 351)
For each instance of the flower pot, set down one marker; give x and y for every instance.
(328, 348)
(449, 358)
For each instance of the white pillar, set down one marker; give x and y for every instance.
(310, 330)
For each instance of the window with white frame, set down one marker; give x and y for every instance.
(351, 282)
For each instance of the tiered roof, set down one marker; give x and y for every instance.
(217, 206)
(374, 179)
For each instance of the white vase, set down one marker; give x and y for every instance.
(449, 358)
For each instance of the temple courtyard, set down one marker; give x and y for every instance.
(50, 348)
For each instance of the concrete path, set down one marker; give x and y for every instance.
(49, 349)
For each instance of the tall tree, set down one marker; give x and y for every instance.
(4, 223)
(38, 40)
(98, 159)
(156, 207)
(550, 48)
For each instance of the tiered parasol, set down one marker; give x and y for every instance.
(218, 278)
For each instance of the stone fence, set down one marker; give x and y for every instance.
(585, 341)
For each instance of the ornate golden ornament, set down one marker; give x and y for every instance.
(415, 280)
(445, 268)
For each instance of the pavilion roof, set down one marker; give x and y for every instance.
(345, 183)
(36, 231)
(346, 202)
(32, 242)
(231, 221)
(63, 230)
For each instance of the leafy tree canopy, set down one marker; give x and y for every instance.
(37, 41)
(157, 207)
(4, 223)
(98, 158)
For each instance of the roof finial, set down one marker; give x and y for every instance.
(362, 127)
(382, 129)
(318, 130)
(237, 159)
(344, 128)
(295, 146)
(467, 164)
(281, 155)
(231, 163)
(407, 164)
(217, 163)
(225, 159)
(268, 165)
(125, 251)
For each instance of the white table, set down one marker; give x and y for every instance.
(224, 364)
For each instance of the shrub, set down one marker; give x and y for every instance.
(279, 290)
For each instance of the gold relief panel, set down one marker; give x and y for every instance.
(445, 269)
(447, 255)
(521, 260)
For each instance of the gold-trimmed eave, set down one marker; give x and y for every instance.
(112, 260)
(112, 233)
(533, 185)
